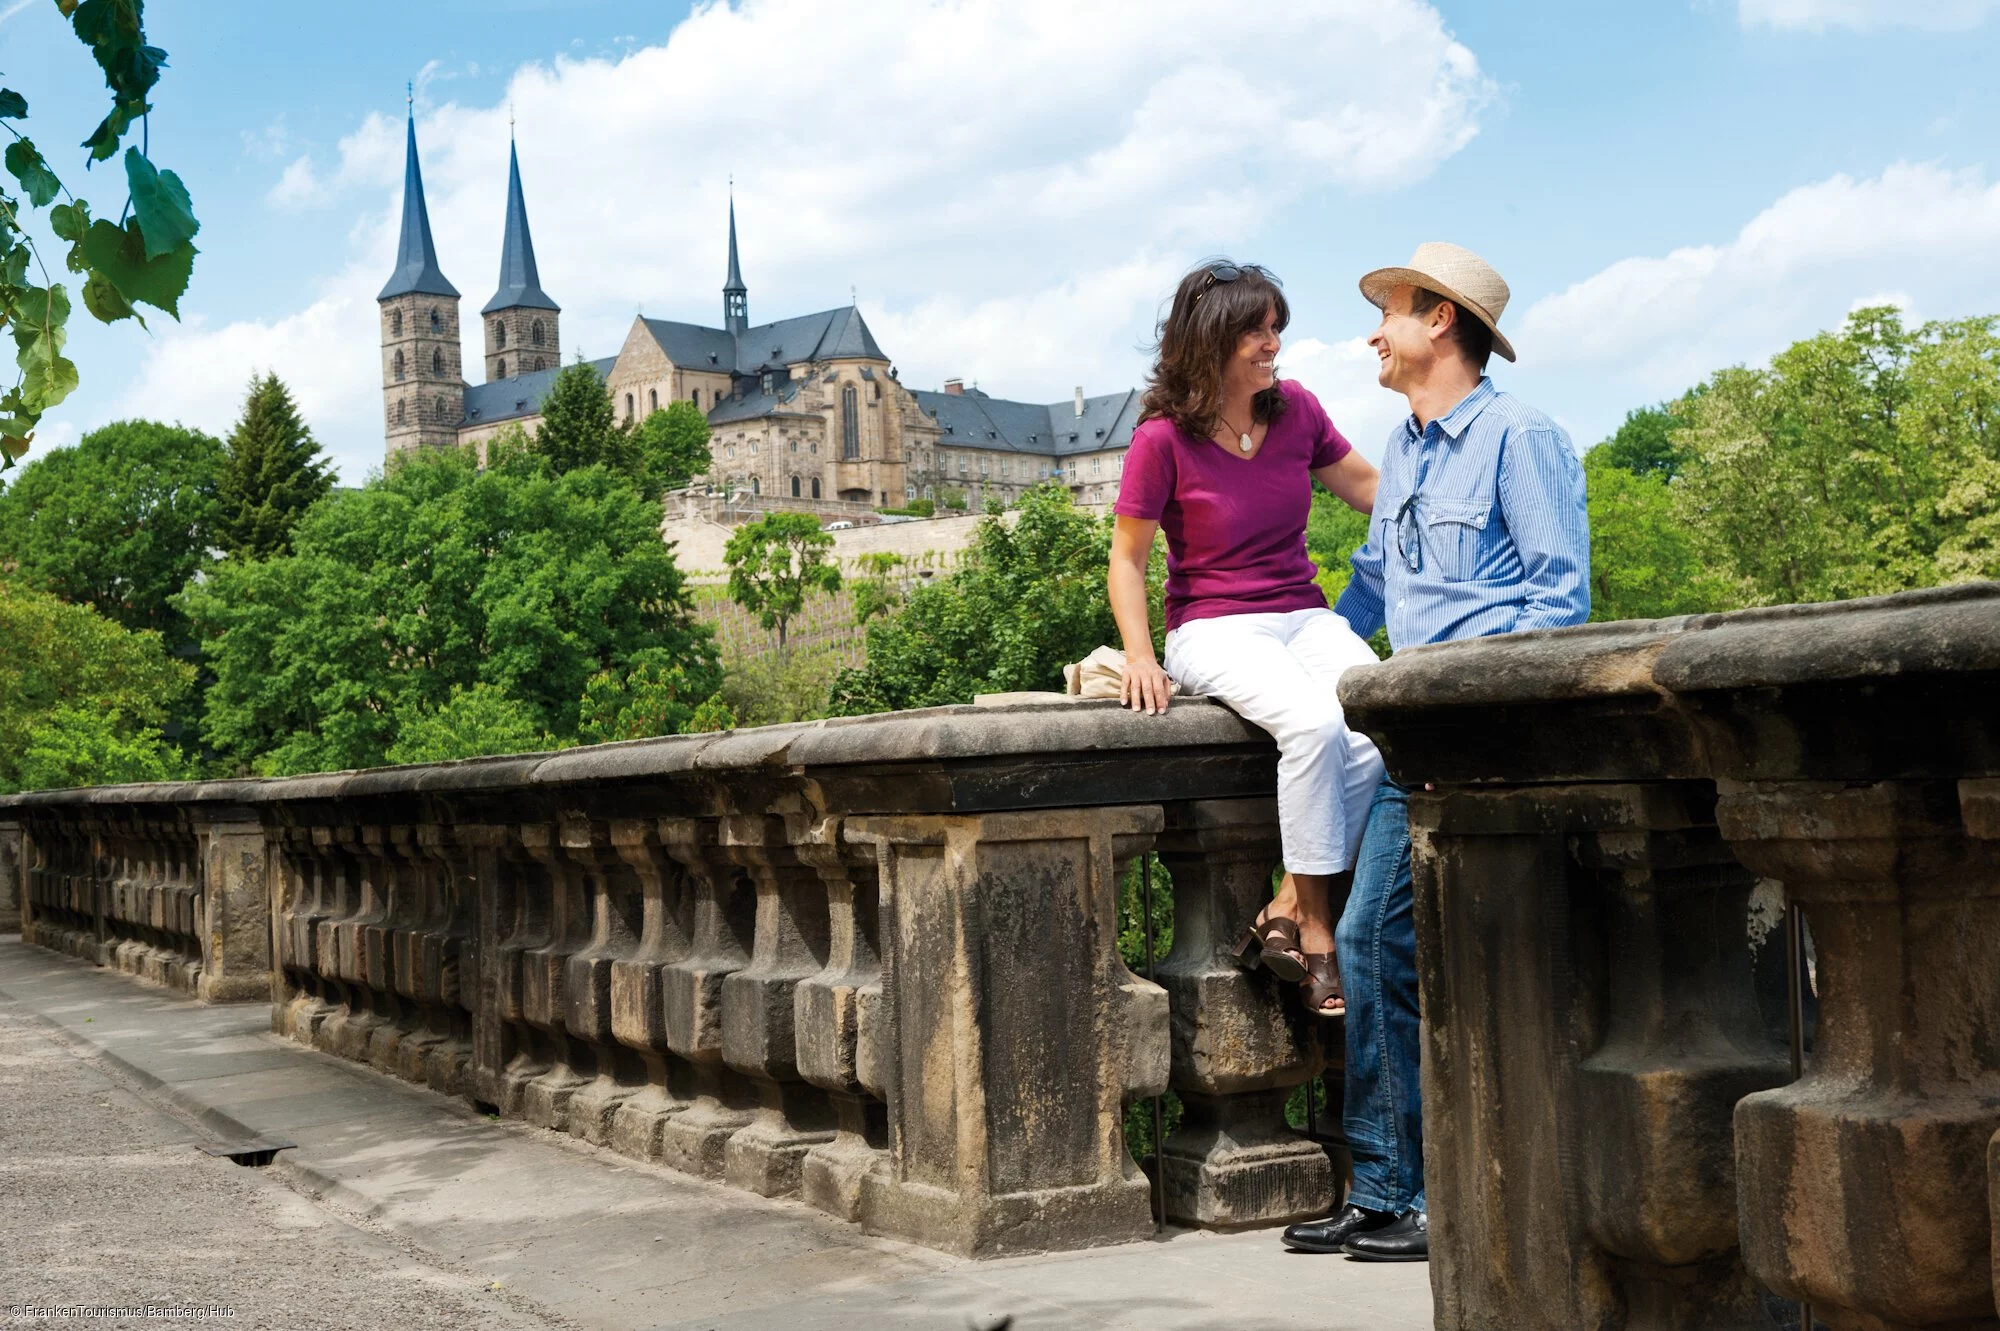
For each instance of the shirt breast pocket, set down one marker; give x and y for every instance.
(1456, 537)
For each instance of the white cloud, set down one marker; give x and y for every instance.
(1342, 375)
(1928, 235)
(1011, 184)
(1865, 15)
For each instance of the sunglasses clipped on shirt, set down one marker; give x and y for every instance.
(1410, 536)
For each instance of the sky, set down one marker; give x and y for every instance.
(1010, 188)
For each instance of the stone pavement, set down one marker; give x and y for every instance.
(400, 1207)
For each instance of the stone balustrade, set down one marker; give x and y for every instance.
(871, 963)
(1613, 1135)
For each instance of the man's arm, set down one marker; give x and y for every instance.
(1542, 502)
(1361, 604)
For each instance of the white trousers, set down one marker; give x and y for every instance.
(1281, 672)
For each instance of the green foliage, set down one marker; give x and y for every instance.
(472, 723)
(1026, 600)
(1861, 462)
(578, 428)
(1333, 533)
(1643, 563)
(879, 591)
(148, 257)
(951, 499)
(654, 694)
(774, 562)
(715, 714)
(120, 522)
(671, 447)
(1644, 444)
(273, 473)
(433, 579)
(772, 688)
(81, 699)
(916, 508)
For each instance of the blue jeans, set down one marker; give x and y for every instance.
(1377, 946)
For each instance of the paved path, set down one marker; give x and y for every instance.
(400, 1207)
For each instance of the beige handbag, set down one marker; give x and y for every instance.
(1101, 675)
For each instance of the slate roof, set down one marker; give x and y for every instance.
(511, 399)
(755, 402)
(416, 257)
(520, 283)
(974, 420)
(828, 335)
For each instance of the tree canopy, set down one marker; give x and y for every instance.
(271, 474)
(119, 522)
(578, 427)
(671, 448)
(402, 597)
(774, 562)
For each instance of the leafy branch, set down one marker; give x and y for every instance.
(146, 257)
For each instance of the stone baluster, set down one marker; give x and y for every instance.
(125, 901)
(838, 1016)
(544, 973)
(236, 908)
(299, 1001)
(615, 906)
(415, 898)
(1007, 1093)
(759, 1008)
(519, 923)
(1864, 1184)
(178, 856)
(722, 924)
(348, 1031)
(13, 874)
(638, 989)
(445, 980)
(386, 871)
(1238, 1048)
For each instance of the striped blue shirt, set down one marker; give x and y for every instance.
(1479, 528)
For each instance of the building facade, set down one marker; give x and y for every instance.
(807, 409)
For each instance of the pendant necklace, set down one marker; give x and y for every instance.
(1243, 440)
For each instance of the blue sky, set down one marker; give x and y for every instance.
(1011, 186)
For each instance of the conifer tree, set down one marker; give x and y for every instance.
(272, 472)
(578, 428)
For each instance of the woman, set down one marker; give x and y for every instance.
(1224, 459)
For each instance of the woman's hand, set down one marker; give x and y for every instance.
(1145, 687)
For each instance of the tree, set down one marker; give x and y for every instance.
(433, 578)
(472, 723)
(1026, 600)
(951, 499)
(1643, 563)
(672, 448)
(653, 695)
(146, 257)
(1644, 444)
(876, 594)
(82, 699)
(578, 428)
(272, 474)
(119, 522)
(774, 562)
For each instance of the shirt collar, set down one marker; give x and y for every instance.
(1454, 422)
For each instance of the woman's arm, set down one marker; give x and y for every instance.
(1351, 480)
(1145, 686)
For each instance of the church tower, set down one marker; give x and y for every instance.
(520, 320)
(735, 296)
(423, 386)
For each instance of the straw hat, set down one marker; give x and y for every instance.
(1455, 273)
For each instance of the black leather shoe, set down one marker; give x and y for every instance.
(1408, 1239)
(1327, 1235)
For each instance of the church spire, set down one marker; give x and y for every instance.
(520, 283)
(735, 296)
(416, 258)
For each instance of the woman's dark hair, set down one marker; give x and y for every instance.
(1214, 306)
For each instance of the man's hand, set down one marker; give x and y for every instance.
(1145, 687)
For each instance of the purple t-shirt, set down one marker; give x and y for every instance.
(1236, 526)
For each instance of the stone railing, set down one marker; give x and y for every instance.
(1614, 1137)
(869, 962)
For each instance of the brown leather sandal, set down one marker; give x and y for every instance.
(1270, 943)
(1322, 984)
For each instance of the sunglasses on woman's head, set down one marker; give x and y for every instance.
(1229, 272)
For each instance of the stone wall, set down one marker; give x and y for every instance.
(870, 963)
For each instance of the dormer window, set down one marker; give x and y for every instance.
(767, 383)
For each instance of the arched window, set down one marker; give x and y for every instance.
(500, 368)
(538, 363)
(499, 334)
(755, 487)
(628, 406)
(398, 362)
(437, 360)
(850, 423)
(400, 414)
(695, 397)
(795, 487)
(395, 323)
(437, 320)
(652, 399)
(441, 418)
(535, 332)
(815, 487)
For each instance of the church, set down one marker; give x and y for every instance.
(804, 413)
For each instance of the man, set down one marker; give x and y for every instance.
(1478, 528)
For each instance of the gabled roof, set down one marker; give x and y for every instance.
(512, 399)
(974, 420)
(520, 283)
(416, 257)
(828, 335)
(782, 400)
